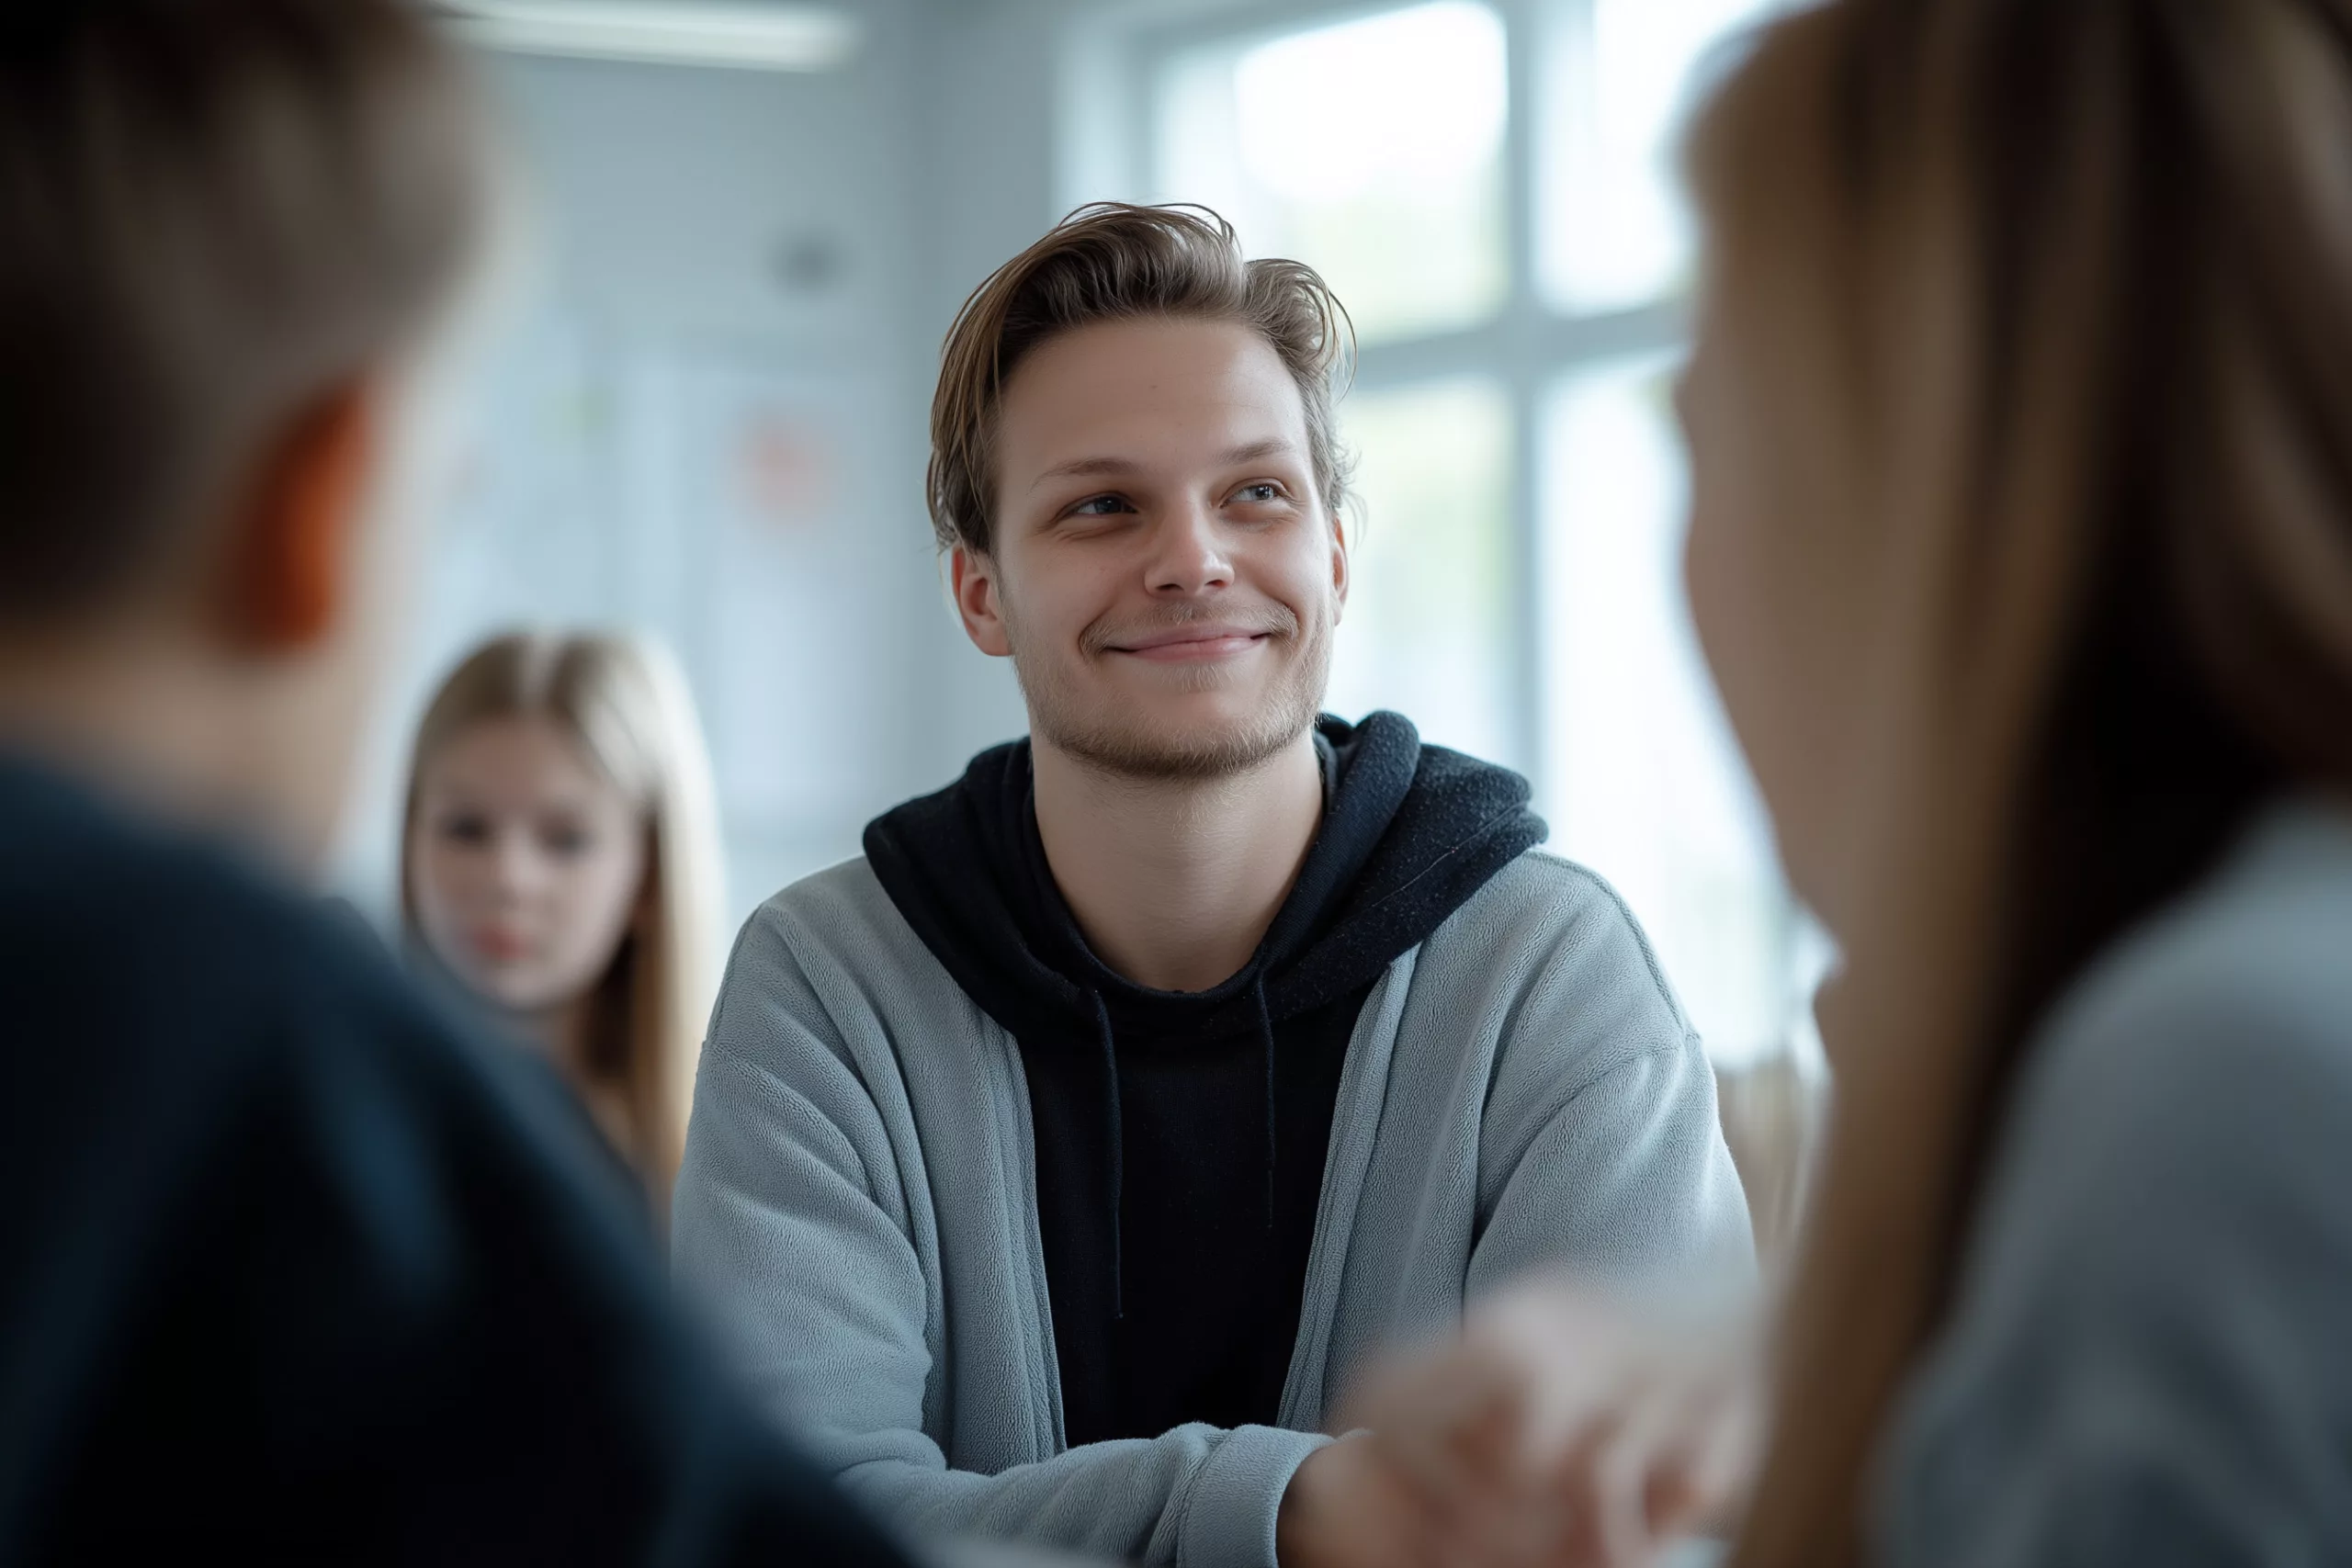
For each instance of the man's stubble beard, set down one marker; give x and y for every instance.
(1124, 744)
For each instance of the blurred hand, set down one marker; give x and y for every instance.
(1346, 1508)
(1570, 1429)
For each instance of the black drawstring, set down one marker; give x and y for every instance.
(1115, 1126)
(1266, 1048)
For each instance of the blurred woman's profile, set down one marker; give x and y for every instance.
(559, 864)
(2020, 549)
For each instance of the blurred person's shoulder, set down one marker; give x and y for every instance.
(2145, 1348)
(152, 980)
(333, 1280)
(2195, 1079)
(2175, 1136)
(142, 936)
(2242, 989)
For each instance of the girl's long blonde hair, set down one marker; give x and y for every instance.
(2059, 302)
(623, 702)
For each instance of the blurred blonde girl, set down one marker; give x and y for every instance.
(559, 864)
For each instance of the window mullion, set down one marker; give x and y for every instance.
(1524, 28)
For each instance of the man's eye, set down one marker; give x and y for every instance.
(1261, 493)
(464, 830)
(1100, 506)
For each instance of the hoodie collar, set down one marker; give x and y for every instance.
(1409, 833)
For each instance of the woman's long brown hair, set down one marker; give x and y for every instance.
(2070, 288)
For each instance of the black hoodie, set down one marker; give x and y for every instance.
(1181, 1136)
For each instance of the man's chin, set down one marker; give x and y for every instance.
(1163, 725)
(1141, 742)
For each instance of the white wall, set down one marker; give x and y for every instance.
(714, 252)
(984, 190)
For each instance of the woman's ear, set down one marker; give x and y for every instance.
(292, 561)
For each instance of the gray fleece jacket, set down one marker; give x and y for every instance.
(857, 1202)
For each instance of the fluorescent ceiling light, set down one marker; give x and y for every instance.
(669, 32)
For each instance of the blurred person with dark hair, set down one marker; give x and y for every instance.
(1055, 1160)
(2022, 547)
(289, 1270)
(560, 866)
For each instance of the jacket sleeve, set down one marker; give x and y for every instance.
(803, 1225)
(1599, 1149)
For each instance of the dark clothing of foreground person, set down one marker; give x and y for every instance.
(291, 1272)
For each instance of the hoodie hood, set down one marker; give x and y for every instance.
(1409, 833)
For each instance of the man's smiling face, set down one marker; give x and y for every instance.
(1163, 573)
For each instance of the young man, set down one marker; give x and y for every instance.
(1059, 1161)
(288, 1272)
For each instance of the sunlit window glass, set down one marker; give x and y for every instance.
(1613, 229)
(1429, 625)
(1644, 783)
(1372, 148)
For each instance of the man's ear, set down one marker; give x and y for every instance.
(293, 557)
(1340, 565)
(972, 577)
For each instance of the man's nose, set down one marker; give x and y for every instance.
(1190, 552)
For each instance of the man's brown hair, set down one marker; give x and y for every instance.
(1111, 262)
(211, 211)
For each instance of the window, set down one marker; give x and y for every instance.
(1611, 231)
(1373, 146)
(1491, 186)
(1642, 780)
(1428, 629)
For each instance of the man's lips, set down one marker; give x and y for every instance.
(1192, 643)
